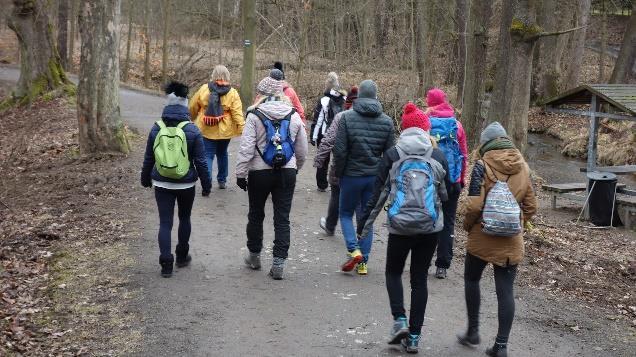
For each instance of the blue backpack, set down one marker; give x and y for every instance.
(280, 146)
(414, 205)
(444, 131)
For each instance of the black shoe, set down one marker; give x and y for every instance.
(183, 258)
(470, 339)
(183, 262)
(497, 350)
(222, 185)
(440, 273)
(166, 266)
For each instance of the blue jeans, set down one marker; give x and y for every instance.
(217, 148)
(355, 192)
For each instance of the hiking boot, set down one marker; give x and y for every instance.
(222, 185)
(361, 269)
(183, 262)
(410, 343)
(276, 271)
(497, 350)
(183, 258)
(253, 260)
(323, 225)
(469, 339)
(399, 331)
(166, 266)
(353, 259)
(440, 273)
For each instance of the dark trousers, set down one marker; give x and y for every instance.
(504, 281)
(334, 208)
(322, 172)
(280, 184)
(422, 249)
(217, 148)
(165, 203)
(447, 235)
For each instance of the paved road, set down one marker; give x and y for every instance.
(217, 307)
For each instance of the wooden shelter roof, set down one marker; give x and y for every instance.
(620, 96)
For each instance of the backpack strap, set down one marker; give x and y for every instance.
(161, 124)
(262, 117)
(182, 124)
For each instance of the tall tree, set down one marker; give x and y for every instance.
(164, 47)
(249, 51)
(147, 44)
(601, 55)
(477, 42)
(73, 35)
(40, 66)
(574, 60)
(460, 28)
(62, 31)
(419, 27)
(624, 67)
(131, 10)
(100, 125)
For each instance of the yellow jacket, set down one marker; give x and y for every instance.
(233, 121)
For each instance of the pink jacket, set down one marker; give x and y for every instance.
(291, 94)
(438, 107)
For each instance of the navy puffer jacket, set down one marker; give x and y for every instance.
(364, 134)
(172, 115)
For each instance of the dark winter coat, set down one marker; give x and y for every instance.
(365, 132)
(172, 115)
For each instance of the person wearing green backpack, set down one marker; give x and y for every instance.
(174, 160)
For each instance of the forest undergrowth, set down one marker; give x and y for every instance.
(66, 227)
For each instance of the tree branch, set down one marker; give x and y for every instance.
(554, 33)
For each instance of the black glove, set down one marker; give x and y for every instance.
(242, 183)
(359, 231)
(312, 142)
(146, 183)
(205, 193)
(455, 189)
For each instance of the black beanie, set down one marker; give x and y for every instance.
(279, 66)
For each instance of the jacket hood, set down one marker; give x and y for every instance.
(175, 112)
(505, 161)
(275, 109)
(367, 107)
(415, 141)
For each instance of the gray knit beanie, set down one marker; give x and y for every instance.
(368, 89)
(492, 131)
(277, 74)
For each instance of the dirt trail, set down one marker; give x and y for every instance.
(218, 307)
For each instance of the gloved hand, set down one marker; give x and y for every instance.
(312, 142)
(146, 184)
(359, 231)
(205, 193)
(242, 183)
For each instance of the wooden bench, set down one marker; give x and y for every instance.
(568, 190)
(627, 209)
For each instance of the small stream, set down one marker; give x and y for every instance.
(544, 156)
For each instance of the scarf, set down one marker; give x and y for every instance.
(496, 144)
(214, 113)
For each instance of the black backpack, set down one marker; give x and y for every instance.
(334, 108)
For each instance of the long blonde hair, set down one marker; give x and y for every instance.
(220, 73)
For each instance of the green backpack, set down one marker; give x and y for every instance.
(171, 151)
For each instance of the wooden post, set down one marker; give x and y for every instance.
(591, 146)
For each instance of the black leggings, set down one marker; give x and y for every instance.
(165, 203)
(422, 249)
(504, 281)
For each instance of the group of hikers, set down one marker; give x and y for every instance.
(416, 176)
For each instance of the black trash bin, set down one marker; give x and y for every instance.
(601, 200)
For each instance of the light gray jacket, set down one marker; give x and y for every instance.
(254, 134)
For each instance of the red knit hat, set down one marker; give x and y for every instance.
(414, 117)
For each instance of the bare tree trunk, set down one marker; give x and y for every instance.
(131, 10)
(249, 51)
(100, 125)
(40, 67)
(147, 43)
(477, 42)
(500, 95)
(62, 32)
(221, 32)
(601, 56)
(164, 50)
(550, 76)
(460, 28)
(73, 36)
(420, 42)
(575, 58)
(304, 33)
(623, 69)
(515, 82)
